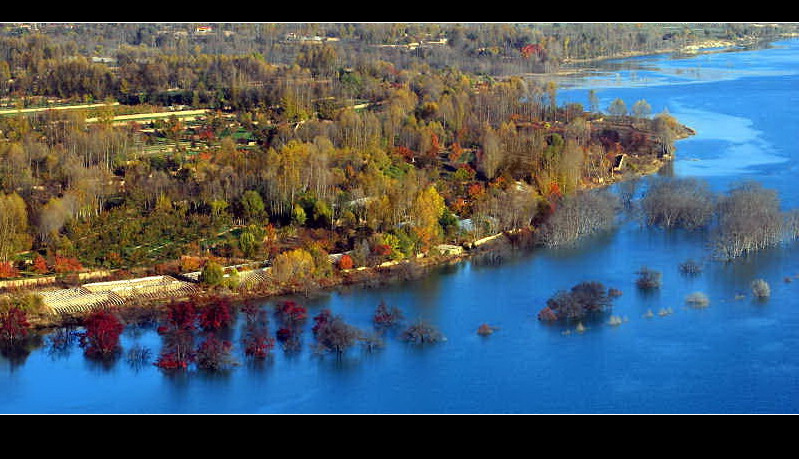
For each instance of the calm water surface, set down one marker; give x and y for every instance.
(735, 356)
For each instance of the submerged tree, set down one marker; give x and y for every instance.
(749, 219)
(257, 342)
(335, 335)
(214, 354)
(177, 331)
(216, 315)
(101, 338)
(678, 203)
(760, 289)
(648, 279)
(386, 316)
(421, 332)
(583, 300)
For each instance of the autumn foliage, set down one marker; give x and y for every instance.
(14, 325)
(101, 338)
(181, 315)
(387, 316)
(40, 265)
(214, 354)
(345, 262)
(216, 315)
(63, 264)
(289, 312)
(7, 270)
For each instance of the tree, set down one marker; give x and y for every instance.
(428, 206)
(101, 338)
(335, 335)
(177, 332)
(214, 354)
(252, 205)
(617, 108)
(642, 109)
(678, 203)
(577, 216)
(257, 342)
(13, 226)
(593, 100)
(293, 266)
(14, 326)
(749, 219)
(212, 274)
(490, 154)
(387, 316)
(421, 332)
(216, 315)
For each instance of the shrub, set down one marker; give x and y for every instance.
(648, 279)
(582, 300)
(690, 268)
(760, 289)
(697, 300)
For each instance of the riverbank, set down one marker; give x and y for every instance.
(137, 307)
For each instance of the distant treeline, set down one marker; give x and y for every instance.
(215, 64)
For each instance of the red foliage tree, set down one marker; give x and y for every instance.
(216, 315)
(172, 361)
(40, 265)
(284, 334)
(177, 332)
(386, 316)
(381, 250)
(181, 315)
(101, 338)
(7, 270)
(256, 340)
(258, 345)
(214, 354)
(289, 312)
(321, 319)
(345, 262)
(62, 264)
(14, 325)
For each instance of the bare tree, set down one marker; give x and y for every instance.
(749, 219)
(577, 216)
(678, 202)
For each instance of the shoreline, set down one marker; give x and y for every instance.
(406, 269)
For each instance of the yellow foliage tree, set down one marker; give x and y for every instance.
(428, 206)
(293, 266)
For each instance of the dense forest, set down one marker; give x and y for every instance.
(379, 140)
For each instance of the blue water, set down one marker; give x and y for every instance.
(735, 356)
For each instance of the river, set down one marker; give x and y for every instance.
(735, 356)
